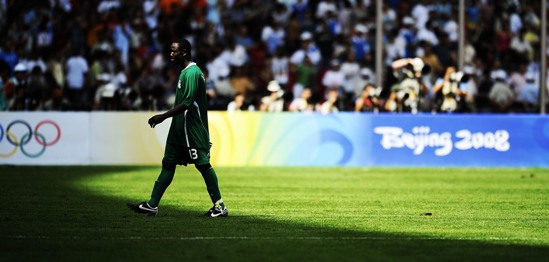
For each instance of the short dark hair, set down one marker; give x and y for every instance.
(184, 45)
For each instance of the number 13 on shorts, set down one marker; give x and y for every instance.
(193, 153)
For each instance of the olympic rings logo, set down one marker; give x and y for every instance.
(13, 139)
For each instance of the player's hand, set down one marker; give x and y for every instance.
(155, 120)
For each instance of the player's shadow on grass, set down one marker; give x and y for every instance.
(46, 217)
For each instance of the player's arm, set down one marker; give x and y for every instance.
(157, 119)
(189, 95)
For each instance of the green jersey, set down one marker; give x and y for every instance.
(190, 129)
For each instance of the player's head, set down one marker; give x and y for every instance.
(180, 51)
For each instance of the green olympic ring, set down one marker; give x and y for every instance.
(40, 152)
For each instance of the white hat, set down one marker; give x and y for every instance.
(273, 86)
(361, 28)
(407, 20)
(104, 77)
(469, 70)
(418, 64)
(530, 76)
(365, 72)
(20, 68)
(306, 36)
(500, 74)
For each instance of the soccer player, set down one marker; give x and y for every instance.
(188, 139)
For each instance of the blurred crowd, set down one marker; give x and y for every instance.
(285, 55)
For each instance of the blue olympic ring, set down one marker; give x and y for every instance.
(26, 138)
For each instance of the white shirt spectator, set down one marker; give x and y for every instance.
(333, 79)
(395, 49)
(421, 13)
(351, 72)
(324, 7)
(312, 52)
(451, 28)
(121, 35)
(515, 23)
(521, 46)
(427, 35)
(237, 56)
(273, 37)
(107, 5)
(280, 69)
(31, 63)
(501, 94)
(219, 69)
(77, 67)
(530, 92)
(151, 11)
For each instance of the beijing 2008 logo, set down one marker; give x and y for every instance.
(19, 135)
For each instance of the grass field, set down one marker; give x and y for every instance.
(277, 214)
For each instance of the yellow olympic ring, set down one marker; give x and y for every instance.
(12, 136)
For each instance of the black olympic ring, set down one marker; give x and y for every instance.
(40, 138)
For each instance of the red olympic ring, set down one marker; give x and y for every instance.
(54, 125)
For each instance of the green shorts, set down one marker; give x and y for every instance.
(181, 155)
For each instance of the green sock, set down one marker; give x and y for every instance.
(212, 186)
(160, 185)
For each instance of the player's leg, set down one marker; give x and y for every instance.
(212, 185)
(160, 185)
(172, 155)
(162, 182)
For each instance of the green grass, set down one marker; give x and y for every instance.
(277, 214)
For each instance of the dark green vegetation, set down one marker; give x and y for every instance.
(277, 214)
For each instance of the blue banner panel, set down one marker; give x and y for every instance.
(460, 140)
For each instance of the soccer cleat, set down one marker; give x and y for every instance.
(143, 208)
(216, 211)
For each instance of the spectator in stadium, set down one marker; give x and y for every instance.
(351, 71)
(188, 140)
(240, 103)
(366, 77)
(522, 51)
(38, 89)
(273, 36)
(241, 81)
(304, 74)
(274, 102)
(303, 103)
(517, 79)
(9, 54)
(77, 74)
(360, 43)
(17, 86)
(528, 96)
(501, 95)
(334, 78)
(369, 100)
(332, 103)
(447, 91)
(97, 26)
(4, 78)
(308, 48)
(280, 64)
(219, 72)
